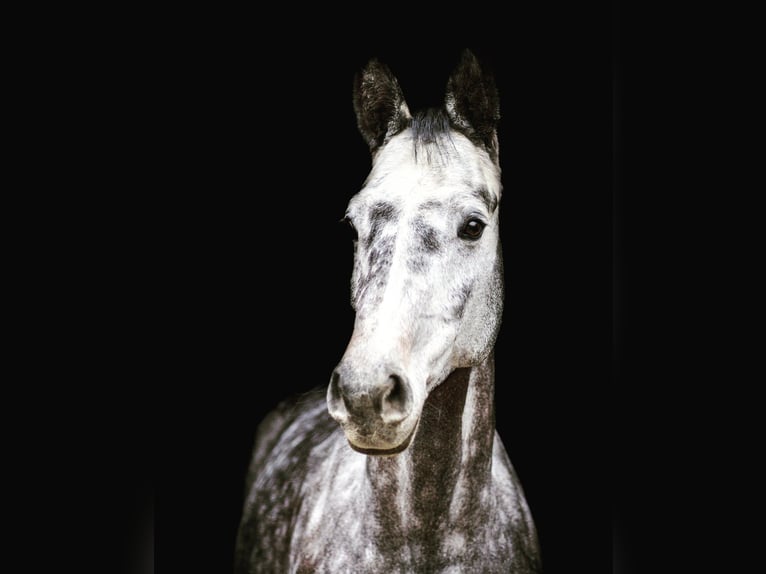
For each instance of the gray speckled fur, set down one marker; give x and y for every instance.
(450, 503)
(429, 303)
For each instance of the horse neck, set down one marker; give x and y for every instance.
(444, 472)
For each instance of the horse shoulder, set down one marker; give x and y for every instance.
(513, 518)
(285, 448)
(331, 533)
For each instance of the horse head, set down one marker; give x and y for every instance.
(427, 282)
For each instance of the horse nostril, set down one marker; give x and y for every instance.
(394, 402)
(336, 404)
(389, 402)
(396, 394)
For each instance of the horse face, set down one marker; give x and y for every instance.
(427, 278)
(426, 285)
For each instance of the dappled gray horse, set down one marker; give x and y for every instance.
(396, 466)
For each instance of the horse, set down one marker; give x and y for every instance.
(396, 464)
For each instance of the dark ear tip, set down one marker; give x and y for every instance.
(469, 69)
(375, 73)
(467, 55)
(469, 61)
(375, 67)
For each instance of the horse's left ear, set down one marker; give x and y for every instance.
(472, 102)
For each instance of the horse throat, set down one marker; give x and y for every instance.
(443, 478)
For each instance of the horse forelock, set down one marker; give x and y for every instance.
(438, 159)
(432, 133)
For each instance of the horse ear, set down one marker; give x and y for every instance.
(381, 111)
(472, 102)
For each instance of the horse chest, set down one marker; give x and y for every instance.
(456, 551)
(352, 536)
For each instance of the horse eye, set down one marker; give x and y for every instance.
(472, 229)
(350, 224)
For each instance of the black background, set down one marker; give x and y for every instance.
(210, 277)
(197, 164)
(257, 154)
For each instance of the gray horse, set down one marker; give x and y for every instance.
(396, 466)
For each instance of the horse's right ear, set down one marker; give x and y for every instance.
(381, 111)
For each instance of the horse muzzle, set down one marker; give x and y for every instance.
(376, 412)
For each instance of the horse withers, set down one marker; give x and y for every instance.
(396, 465)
